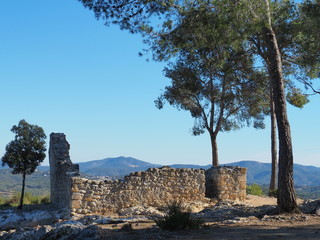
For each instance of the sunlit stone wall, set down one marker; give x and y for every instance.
(226, 183)
(154, 187)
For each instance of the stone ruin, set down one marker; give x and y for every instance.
(156, 187)
(61, 171)
(226, 183)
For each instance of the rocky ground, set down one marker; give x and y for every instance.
(256, 218)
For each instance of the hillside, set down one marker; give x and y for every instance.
(307, 178)
(257, 172)
(37, 183)
(260, 173)
(114, 167)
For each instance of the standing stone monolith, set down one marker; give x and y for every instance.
(61, 171)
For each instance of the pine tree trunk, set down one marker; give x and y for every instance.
(274, 162)
(214, 148)
(22, 191)
(286, 193)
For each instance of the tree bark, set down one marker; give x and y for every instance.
(274, 162)
(214, 148)
(22, 190)
(286, 193)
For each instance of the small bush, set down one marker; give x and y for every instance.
(254, 189)
(45, 200)
(5, 205)
(177, 219)
(3, 200)
(273, 193)
(30, 199)
(14, 200)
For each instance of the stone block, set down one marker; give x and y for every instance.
(76, 196)
(76, 204)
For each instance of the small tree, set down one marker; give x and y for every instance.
(25, 152)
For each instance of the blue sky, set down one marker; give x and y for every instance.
(66, 72)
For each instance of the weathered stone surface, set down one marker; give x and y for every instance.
(69, 230)
(226, 182)
(228, 210)
(140, 210)
(61, 169)
(311, 206)
(10, 219)
(154, 187)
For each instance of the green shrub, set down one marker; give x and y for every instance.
(177, 218)
(2, 200)
(14, 200)
(273, 193)
(45, 199)
(4, 203)
(254, 189)
(29, 198)
(34, 201)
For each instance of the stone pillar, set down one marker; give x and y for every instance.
(61, 171)
(226, 183)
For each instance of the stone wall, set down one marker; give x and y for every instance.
(155, 187)
(61, 171)
(226, 183)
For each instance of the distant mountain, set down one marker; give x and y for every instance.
(256, 172)
(114, 167)
(44, 168)
(119, 167)
(260, 173)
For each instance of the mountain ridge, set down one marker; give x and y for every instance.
(257, 172)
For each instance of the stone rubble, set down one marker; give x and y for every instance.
(10, 219)
(311, 207)
(284, 218)
(90, 226)
(140, 210)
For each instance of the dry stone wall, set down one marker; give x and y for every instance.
(226, 183)
(155, 187)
